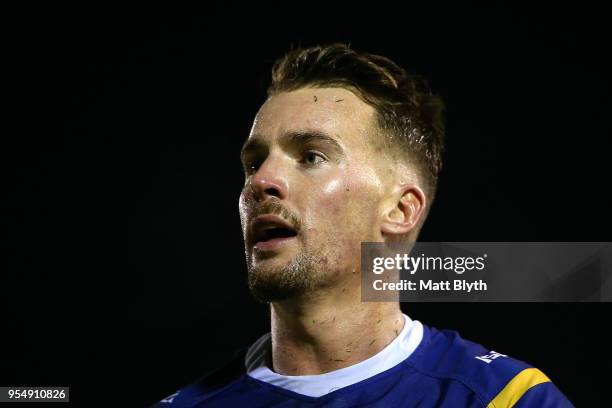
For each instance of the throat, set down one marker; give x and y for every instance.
(329, 341)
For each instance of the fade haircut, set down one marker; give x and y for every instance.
(407, 112)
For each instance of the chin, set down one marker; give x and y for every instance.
(271, 262)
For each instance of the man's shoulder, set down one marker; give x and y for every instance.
(456, 369)
(208, 385)
(497, 379)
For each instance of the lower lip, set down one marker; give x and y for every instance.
(272, 244)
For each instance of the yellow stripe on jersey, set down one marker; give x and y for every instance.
(519, 385)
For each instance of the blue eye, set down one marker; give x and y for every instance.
(311, 158)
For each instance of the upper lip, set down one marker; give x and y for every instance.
(263, 223)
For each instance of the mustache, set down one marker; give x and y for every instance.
(276, 208)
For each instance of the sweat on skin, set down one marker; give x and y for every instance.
(315, 153)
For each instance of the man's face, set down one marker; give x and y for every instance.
(312, 192)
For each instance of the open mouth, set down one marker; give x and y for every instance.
(271, 233)
(268, 232)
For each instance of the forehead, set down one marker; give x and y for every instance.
(337, 112)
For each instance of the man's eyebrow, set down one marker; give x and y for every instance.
(303, 137)
(296, 137)
(251, 145)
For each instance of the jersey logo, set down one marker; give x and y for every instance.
(487, 358)
(170, 398)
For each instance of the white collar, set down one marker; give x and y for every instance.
(318, 385)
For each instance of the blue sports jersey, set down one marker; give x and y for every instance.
(444, 371)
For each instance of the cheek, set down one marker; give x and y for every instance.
(346, 204)
(244, 203)
(334, 196)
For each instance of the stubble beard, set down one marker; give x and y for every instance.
(304, 274)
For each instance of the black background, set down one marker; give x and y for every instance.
(123, 269)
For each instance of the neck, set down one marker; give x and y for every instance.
(323, 333)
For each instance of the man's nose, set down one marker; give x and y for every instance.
(270, 179)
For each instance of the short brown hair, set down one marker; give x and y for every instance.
(407, 110)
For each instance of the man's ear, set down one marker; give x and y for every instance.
(403, 217)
